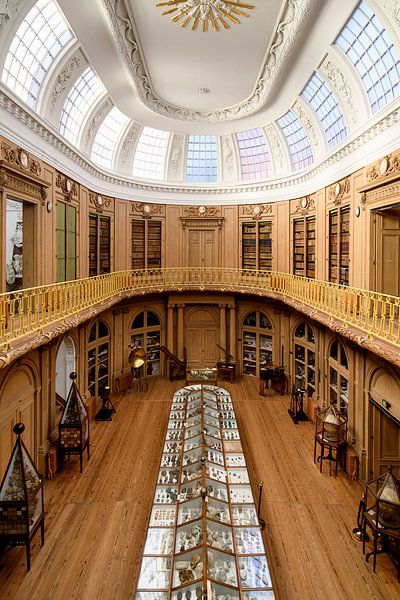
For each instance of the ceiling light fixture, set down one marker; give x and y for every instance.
(205, 12)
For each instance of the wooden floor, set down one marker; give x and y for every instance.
(96, 522)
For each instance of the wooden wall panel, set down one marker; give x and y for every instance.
(122, 238)
(173, 238)
(230, 238)
(281, 239)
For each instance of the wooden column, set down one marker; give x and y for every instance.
(222, 330)
(170, 328)
(180, 330)
(232, 331)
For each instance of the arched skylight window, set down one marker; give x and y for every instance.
(38, 40)
(324, 102)
(202, 158)
(84, 94)
(254, 155)
(369, 47)
(149, 158)
(107, 137)
(297, 140)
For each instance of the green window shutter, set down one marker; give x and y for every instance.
(61, 241)
(71, 258)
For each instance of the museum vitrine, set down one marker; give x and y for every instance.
(204, 536)
(21, 498)
(74, 425)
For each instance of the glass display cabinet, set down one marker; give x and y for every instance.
(21, 499)
(331, 434)
(382, 515)
(74, 425)
(194, 376)
(204, 538)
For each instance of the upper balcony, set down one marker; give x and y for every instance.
(32, 317)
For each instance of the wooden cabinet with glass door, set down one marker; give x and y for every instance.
(257, 245)
(146, 244)
(304, 246)
(99, 245)
(257, 343)
(339, 245)
(146, 333)
(304, 358)
(338, 377)
(98, 359)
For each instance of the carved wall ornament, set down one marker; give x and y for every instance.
(202, 222)
(202, 211)
(307, 122)
(67, 186)
(292, 21)
(305, 204)
(21, 158)
(63, 79)
(394, 8)
(99, 201)
(342, 86)
(148, 210)
(275, 146)
(388, 165)
(176, 155)
(339, 190)
(129, 143)
(98, 117)
(8, 9)
(227, 154)
(256, 211)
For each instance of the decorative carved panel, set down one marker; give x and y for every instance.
(202, 211)
(256, 211)
(388, 165)
(67, 186)
(19, 157)
(148, 210)
(339, 190)
(202, 222)
(100, 202)
(303, 205)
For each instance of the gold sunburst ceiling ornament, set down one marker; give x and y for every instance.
(205, 12)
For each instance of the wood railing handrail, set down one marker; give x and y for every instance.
(34, 310)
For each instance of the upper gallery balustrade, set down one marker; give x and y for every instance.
(31, 317)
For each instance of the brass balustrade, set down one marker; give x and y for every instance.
(33, 310)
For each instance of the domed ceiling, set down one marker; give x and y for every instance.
(197, 97)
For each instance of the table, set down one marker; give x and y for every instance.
(276, 375)
(226, 370)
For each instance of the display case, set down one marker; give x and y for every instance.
(146, 244)
(257, 245)
(99, 245)
(304, 240)
(331, 435)
(21, 499)
(339, 245)
(194, 376)
(209, 530)
(73, 429)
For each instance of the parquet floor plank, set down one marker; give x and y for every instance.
(96, 522)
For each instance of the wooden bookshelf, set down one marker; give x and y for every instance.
(339, 245)
(304, 240)
(99, 245)
(146, 244)
(257, 245)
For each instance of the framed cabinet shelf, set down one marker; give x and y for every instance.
(304, 240)
(339, 245)
(99, 245)
(257, 245)
(146, 244)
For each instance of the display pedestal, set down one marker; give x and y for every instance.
(296, 410)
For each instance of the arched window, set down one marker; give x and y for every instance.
(304, 358)
(338, 377)
(98, 358)
(257, 342)
(146, 332)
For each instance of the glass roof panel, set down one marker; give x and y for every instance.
(85, 92)
(202, 158)
(325, 104)
(299, 146)
(39, 39)
(254, 154)
(107, 137)
(369, 47)
(150, 153)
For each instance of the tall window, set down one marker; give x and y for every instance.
(84, 94)
(107, 136)
(202, 159)
(150, 153)
(325, 104)
(299, 146)
(369, 47)
(39, 39)
(66, 241)
(254, 155)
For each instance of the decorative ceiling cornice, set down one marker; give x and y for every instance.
(292, 21)
(54, 138)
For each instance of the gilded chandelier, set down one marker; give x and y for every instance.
(205, 12)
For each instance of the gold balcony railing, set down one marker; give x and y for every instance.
(34, 310)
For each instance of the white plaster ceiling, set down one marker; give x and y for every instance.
(180, 61)
(152, 67)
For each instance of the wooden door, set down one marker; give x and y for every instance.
(384, 443)
(202, 249)
(7, 439)
(201, 337)
(387, 276)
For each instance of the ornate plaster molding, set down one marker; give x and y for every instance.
(387, 166)
(175, 164)
(102, 111)
(68, 187)
(393, 6)
(62, 81)
(276, 147)
(202, 211)
(308, 123)
(148, 210)
(128, 146)
(20, 158)
(256, 211)
(339, 190)
(100, 202)
(53, 138)
(8, 10)
(291, 24)
(304, 205)
(340, 83)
